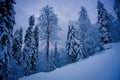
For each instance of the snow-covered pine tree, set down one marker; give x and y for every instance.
(28, 48)
(72, 45)
(83, 27)
(56, 56)
(17, 51)
(103, 23)
(7, 22)
(87, 34)
(35, 47)
(17, 45)
(48, 24)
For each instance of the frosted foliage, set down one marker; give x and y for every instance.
(7, 22)
(48, 26)
(103, 24)
(73, 47)
(49, 20)
(17, 52)
(28, 50)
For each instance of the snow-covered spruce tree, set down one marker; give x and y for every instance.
(83, 28)
(17, 51)
(28, 48)
(48, 24)
(72, 46)
(35, 47)
(87, 34)
(17, 45)
(103, 23)
(56, 55)
(7, 22)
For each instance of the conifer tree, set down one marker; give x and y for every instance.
(35, 48)
(83, 26)
(28, 48)
(103, 23)
(73, 47)
(17, 51)
(17, 45)
(7, 22)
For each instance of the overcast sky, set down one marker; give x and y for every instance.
(65, 9)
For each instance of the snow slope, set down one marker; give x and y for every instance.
(103, 66)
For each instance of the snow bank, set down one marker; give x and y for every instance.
(103, 66)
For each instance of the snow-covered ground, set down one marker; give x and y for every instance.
(103, 66)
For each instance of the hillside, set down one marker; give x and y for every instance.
(103, 66)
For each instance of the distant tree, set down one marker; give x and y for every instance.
(7, 22)
(117, 8)
(116, 24)
(56, 56)
(73, 48)
(28, 48)
(92, 42)
(113, 28)
(48, 24)
(103, 23)
(64, 57)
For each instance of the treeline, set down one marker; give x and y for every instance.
(21, 58)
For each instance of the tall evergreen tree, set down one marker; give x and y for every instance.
(49, 28)
(103, 23)
(35, 48)
(7, 22)
(83, 24)
(28, 48)
(73, 47)
(17, 51)
(17, 45)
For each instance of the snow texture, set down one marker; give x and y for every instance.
(104, 66)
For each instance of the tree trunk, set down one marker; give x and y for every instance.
(47, 52)
(48, 39)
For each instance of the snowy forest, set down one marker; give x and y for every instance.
(38, 48)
